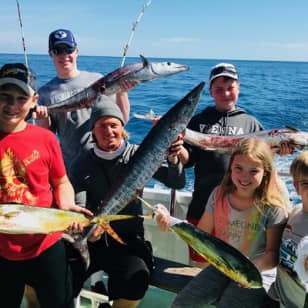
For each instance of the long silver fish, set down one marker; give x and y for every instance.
(218, 253)
(138, 72)
(226, 144)
(150, 154)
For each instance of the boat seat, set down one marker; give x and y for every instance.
(172, 276)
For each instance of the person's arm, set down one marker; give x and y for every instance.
(206, 223)
(123, 103)
(122, 98)
(65, 196)
(270, 258)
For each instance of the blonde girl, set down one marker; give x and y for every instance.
(247, 212)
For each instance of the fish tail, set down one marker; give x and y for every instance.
(81, 245)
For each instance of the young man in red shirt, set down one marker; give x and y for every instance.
(31, 172)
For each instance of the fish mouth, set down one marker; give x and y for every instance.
(183, 67)
(174, 70)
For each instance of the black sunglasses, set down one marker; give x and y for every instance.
(63, 50)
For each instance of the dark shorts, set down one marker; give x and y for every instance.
(128, 272)
(49, 274)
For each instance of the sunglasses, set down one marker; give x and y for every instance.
(63, 50)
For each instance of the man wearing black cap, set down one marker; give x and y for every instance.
(32, 172)
(128, 266)
(72, 127)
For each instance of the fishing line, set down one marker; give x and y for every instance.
(22, 34)
(25, 52)
(145, 6)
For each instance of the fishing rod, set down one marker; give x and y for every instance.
(25, 52)
(145, 6)
(22, 34)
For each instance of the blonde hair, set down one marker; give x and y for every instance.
(267, 193)
(299, 167)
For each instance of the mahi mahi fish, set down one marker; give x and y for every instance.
(149, 155)
(221, 255)
(218, 253)
(26, 219)
(137, 72)
(226, 144)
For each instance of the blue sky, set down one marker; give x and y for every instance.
(240, 29)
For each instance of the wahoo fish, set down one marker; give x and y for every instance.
(218, 253)
(26, 219)
(137, 72)
(226, 144)
(150, 154)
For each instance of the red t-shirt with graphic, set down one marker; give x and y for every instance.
(28, 160)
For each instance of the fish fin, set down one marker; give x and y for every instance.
(144, 61)
(293, 129)
(113, 234)
(80, 245)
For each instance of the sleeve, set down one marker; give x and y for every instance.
(211, 203)
(193, 155)
(285, 192)
(56, 169)
(277, 216)
(192, 150)
(171, 175)
(257, 126)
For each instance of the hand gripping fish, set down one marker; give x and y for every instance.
(221, 255)
(137, 72)
(26, 219)
(149, 156)
(226, 144)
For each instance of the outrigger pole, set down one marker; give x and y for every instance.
(145, 6)
(22, 34)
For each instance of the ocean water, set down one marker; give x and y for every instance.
(276, 93)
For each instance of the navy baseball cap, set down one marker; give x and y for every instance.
(19, 75)
(61, 36)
